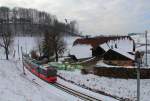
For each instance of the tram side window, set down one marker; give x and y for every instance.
(34, 66)
(42, 71)
(52, 72)
(37, 69)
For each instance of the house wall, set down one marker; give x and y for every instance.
(98, 51)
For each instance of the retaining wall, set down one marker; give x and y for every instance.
(121, 72)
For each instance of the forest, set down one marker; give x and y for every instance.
(27, 21)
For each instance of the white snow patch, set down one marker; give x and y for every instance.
(124, 53)
(122, 44)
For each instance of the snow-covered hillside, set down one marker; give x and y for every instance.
(14, 86)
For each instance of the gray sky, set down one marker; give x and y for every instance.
(95, 17)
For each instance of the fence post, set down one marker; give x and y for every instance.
(22, 62)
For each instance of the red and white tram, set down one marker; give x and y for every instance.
(44, 71)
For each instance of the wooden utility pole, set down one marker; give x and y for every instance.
(138, 62)
(138, 82)
(146, 48)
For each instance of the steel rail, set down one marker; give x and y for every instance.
(75, 93)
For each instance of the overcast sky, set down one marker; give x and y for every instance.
(95, 17)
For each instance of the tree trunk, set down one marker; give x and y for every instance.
(56, 55)
(6, 53)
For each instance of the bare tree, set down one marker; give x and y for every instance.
(56, 38)
(53, 44)
(6, 35)
(38, 42)
(6, 40)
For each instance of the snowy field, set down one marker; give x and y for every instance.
(27, 44)
(125, 88)
(31, 43)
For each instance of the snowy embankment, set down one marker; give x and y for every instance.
(14, 86)
(85, 91)
(123, 88)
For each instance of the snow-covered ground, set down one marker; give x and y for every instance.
(30, 88)
(85, 91)
(29, 43)
(125, 88)
(14, 86)
(17, 87)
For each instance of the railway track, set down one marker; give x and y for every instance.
(75, 93)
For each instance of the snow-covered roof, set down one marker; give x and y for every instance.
(96, 41)
(124, 44)
(105, 46)
(124, 53)
(81, 51)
